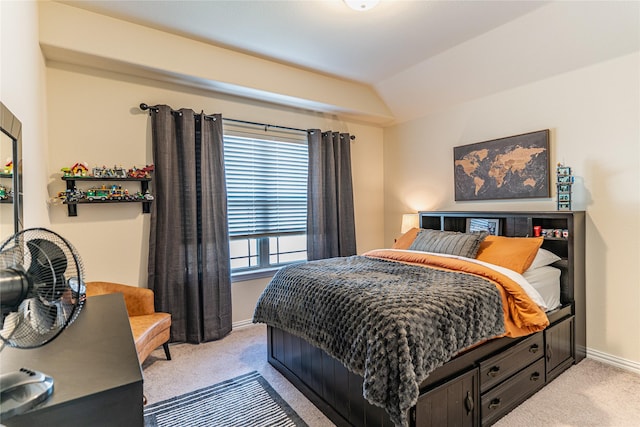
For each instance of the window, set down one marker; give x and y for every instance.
(266, 199)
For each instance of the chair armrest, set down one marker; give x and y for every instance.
(139, 301)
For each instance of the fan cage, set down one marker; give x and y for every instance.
(56, 293)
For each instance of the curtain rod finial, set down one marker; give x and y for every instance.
(144, 107)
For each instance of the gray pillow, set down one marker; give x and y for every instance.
(449, 242)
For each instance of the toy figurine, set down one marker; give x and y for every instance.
(80, 169)
(144, 172)
(565, 181)
(97, 194)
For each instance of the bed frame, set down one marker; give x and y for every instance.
(478, 386)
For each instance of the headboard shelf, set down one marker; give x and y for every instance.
(520, 224)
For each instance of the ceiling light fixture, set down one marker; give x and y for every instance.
(361, 5)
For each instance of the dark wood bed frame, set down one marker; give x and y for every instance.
(478, 386)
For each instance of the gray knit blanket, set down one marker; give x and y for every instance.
(391, 323)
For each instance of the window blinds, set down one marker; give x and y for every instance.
(266, 186)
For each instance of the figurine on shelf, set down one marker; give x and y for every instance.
(4, 193)
(116, 193)
(144, 172)
(147, 195)
(70, 196)
(134, 172)
(97, 194)
(74, 195)
(104, 172)
(8, 167)
(138, 195)
(119, 172)
(79, 169)
(98, 172)
(564, 183)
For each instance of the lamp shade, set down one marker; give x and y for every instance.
(409, 221)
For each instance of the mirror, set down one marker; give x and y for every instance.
(10, 174)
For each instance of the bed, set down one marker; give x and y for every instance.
(381, 340)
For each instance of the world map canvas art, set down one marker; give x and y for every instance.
(514, 167)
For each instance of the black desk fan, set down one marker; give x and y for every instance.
(41, 292)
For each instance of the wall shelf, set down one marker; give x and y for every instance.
(8, 199)
(71, 181)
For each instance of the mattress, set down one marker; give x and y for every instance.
(545, 280)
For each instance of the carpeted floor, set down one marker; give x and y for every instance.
(588, 394)
(196, 366)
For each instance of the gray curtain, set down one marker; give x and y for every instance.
(189, 267)
(331, 230)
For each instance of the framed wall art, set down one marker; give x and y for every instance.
(515, 167)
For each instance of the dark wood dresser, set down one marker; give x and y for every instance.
(94, 364)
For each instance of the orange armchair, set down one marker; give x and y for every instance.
(150, 329)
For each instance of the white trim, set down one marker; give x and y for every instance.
(613, 360)
(242, 324)
(253, 274)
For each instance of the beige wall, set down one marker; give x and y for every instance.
(593, 115)
(94, 118)
(22, 90)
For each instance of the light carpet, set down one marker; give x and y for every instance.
(590, 393)
(247, 400)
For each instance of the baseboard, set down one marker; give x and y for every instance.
(241, 324)
(613, 360)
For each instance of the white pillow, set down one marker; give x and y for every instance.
(543, 258)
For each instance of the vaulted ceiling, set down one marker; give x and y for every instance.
(419, 56)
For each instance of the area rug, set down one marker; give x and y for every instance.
(244, 401)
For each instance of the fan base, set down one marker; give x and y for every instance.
(22, 390)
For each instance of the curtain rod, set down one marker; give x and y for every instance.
(145, 107)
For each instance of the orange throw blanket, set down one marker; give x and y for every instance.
(522, 316)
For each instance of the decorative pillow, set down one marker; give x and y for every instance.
(543, 258)
(404, 241)
(448, 242)
(514, 253)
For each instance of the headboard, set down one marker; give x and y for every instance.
(520, 224)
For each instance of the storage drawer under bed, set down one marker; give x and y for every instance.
(506, 396)
(498, 368)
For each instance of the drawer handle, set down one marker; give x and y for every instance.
(535, 376)
(549, 353)
(468, 402)
(495, 403)
(534, 348)
(494, 371)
